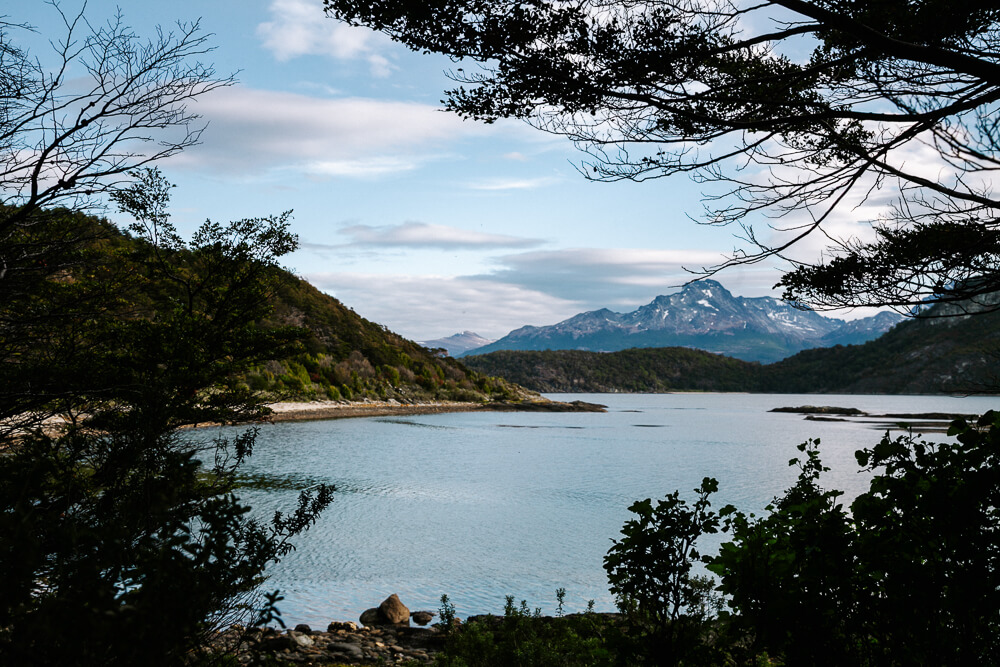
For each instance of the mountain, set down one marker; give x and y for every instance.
(459, 343)
(703, 315)
(941, 352)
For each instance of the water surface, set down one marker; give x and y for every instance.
(482, 505)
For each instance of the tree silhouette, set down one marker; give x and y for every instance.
(782, 107)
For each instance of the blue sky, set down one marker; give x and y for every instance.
(418, 220)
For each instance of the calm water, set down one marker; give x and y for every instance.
(483, 505)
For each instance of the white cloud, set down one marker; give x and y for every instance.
(421, 234)
(512, 183)
(616, 278)
(537, 288)
(300, 28)
(428, 307)
(365, 168)
(253, 130)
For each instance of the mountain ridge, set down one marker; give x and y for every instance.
(703, 315)
(933, 354)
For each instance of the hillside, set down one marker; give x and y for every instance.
(928, 355)
(640, 370)
(704, 315)
(341, 356)
(951, 355)
(349, 357)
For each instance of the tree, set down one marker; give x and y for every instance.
(122, 540)
(649, 572)
(785, 107)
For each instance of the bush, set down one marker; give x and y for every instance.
(524, 638)
(649, 570)
(911, 575)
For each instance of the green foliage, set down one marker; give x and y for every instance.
(790, 576)
(524, 638)
(123, 542)
(909, 576)
(649, 571)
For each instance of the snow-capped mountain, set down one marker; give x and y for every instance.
(703, 315)
(458, 343)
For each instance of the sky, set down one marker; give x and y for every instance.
(416, 219)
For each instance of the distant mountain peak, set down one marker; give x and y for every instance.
(703, 315)
(458, 343)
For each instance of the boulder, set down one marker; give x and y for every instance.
(302, 627)
(422, 617)
(393, 611)
(371, 617)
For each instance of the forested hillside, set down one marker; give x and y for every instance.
(642, 370)
(346, 356)
(338, 354)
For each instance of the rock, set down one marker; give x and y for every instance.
(346, 626)
(302, 627)
(352, 650)
(393, 611)
(275, 644)
(301, 640)
(370, 617)
(422, 617)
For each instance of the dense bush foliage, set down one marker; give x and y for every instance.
(907, 575)
(524, 638)
(123, 542)
(669, 611)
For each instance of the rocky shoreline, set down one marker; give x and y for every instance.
(344, 643)
(304, 411)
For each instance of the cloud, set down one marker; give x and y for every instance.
(428, 307)
(421, 234)
(610, 277)
(512, 183)
(300, 28)
(253, 130)
(537, 288)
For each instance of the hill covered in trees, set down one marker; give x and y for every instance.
(345, 356)
(930, 354)
(337, 354)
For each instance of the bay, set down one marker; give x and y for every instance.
(483, 505)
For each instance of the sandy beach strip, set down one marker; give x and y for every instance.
(303, 411)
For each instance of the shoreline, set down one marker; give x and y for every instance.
(317, 410)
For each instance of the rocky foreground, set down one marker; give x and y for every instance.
(384, 636)
(341, 643)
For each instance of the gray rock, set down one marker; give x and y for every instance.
(422, 617)
(301, 640)
(352, 650)
(394, 611)
(302, 627)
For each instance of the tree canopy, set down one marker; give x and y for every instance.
(787, 108)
